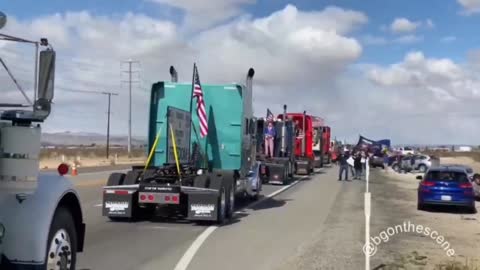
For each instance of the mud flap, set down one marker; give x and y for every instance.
(277, 173)
(120, 205)
(203, 205)
(303, 167)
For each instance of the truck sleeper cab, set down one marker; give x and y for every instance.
(305, 158)
(212, 171)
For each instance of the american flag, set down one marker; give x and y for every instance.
(201, 111)
(269, 116)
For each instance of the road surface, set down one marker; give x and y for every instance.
(268, 235)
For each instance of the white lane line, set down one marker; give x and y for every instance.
(188, 256)
(98, 205)
(193, 249)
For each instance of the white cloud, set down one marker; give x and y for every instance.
(379, 40)
(442, 78)
(429, 24)
(202, 14)
(470, 6)
(403, 25)
(291, 50)
(449, 39)
(428, 94)
(408, 39)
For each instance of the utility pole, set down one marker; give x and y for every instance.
(109, 94)
(130, 72)
(108, 120)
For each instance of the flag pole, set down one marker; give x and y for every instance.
(193, 87)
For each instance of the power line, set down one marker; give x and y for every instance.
(109, 95)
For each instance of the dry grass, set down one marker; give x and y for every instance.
(88, 153)
(90, 157)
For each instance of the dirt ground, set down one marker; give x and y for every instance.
(394, 199)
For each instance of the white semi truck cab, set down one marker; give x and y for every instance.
(41, 221)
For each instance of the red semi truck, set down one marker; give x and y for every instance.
(304, 156)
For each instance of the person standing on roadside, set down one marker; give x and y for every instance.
(357, 164)
(342, 161)
(350, 162)
(364, 162)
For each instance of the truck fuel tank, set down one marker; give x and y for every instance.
(19, 158)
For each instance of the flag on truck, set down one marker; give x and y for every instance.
(269, 116)
(201, 111)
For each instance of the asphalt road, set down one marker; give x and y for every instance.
(154, 244)
(271, 234)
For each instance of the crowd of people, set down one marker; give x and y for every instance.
(354, 162)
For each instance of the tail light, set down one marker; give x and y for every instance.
(175, 198)
(427, 183)
(143, 197)
(466, 185)
(121, 192)
(167, 198)
(150, 197)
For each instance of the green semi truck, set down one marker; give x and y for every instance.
(196, 178)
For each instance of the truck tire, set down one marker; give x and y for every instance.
(116, 179)
(229, 182)
(62, 241)
(131, 177)
(422, 168)
(222, 184)
(395, 167)
(290, 170)
(222, 206)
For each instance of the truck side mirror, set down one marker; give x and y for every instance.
(46, 75)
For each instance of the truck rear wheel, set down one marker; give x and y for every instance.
(62, 242)
(222, 206)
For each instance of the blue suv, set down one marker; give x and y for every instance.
(446, 185)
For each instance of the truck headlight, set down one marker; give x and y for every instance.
(2, 232)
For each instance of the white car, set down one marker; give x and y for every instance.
(406, 150)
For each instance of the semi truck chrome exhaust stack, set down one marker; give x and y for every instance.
(173, 74)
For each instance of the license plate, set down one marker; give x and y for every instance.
(446, 198)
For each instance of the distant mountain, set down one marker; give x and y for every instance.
(87, 138)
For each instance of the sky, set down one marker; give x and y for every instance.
(398, 69)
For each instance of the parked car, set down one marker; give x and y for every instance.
(446, 185)
(406, 151)
(376, 161)
(476, 185)
(421, 163)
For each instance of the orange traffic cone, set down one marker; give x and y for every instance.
(74, 170)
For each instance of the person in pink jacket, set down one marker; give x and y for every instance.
(270, 134)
